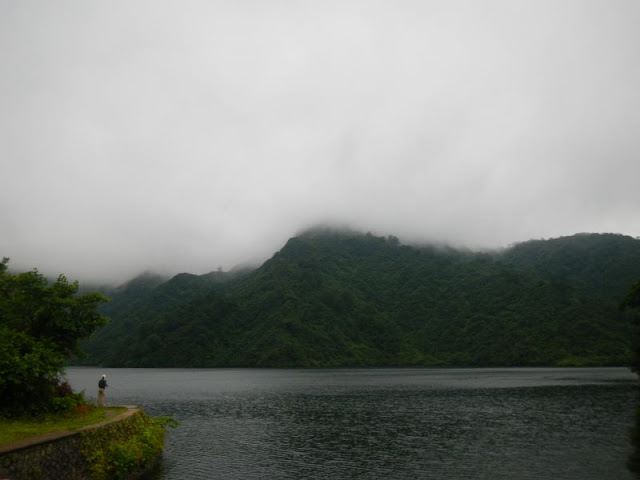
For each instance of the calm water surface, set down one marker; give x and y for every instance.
(383, 423)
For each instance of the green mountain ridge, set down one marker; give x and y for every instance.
(331, 298)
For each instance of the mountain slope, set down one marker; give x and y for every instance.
(602, 264)
(343, 299)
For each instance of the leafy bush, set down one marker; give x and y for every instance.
(130, 446)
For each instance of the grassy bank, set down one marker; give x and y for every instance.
(14, 429)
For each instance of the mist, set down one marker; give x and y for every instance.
(202, 135)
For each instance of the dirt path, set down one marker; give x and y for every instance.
(48, 437)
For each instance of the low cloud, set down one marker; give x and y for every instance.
(191, 137)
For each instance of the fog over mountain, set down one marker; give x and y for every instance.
(192, 136)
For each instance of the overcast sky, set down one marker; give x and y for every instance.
(192, 135)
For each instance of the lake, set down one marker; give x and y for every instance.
(391, 423)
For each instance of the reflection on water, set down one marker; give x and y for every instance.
(385, 423)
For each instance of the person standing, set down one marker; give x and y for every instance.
(102, 385)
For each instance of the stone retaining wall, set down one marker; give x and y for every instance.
(55, 460)
(75, 455)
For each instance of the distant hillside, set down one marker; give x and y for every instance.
(601, 264)
(343, 299)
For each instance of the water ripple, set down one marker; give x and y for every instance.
(316, 425)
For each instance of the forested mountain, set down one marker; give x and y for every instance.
(597, 264)
(331, 298)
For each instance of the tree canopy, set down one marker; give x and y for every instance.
(41, 325)
(331, 299)
(632, 300)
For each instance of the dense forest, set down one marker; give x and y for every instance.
(331, 298)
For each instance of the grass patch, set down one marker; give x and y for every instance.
(14, 429)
